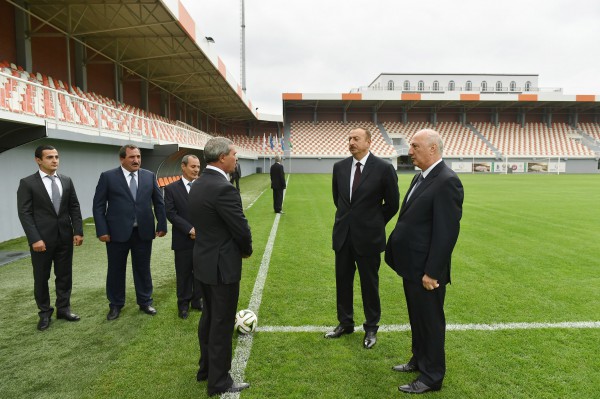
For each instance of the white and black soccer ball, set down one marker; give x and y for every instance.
(245, 321)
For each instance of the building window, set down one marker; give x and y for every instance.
(436, 85)
(513, 86)
(421, 86)
(390, 85)
(528, 86)
(451, 85)
(469, 85)
(406, 85)
(498, 86)
(484, 86)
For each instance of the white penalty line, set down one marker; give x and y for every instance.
(449, 327)
(244, 344)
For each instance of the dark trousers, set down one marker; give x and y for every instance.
(117, 252)
(188, 290)
(277, 199)
(215, 332)
(428, 328)
(346, 263)
(62, 257)
(236, 182)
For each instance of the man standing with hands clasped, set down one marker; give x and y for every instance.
(419, 249)
(223, 240)
(183, 236)
(50, 215)
(124, 220)
(365, 194)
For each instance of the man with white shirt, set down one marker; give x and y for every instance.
(183, 235)
(51, 218)
(123, 213)
(365, 194)
(223, 240)
(419, 250)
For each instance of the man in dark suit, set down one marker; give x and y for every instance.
(122, 209)
(365, 193)
(419, 249)
(235, 175)
(184, 234)
(222, 241)
(277, 184)
(50, 215)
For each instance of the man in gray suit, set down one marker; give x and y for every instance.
(50, 215)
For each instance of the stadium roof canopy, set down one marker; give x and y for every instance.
(153, 39)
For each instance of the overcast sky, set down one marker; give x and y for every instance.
(332, 46)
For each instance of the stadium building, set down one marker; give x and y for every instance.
(88, 77)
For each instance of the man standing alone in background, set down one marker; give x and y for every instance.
(277, 184)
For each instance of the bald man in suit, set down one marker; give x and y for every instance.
(51, 218)
(419, 250)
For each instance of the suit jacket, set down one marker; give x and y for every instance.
(38, 217)
(374, 202)
(427, 229)
(176, 205)
(277, 176)
(223, 232)
(115, 210)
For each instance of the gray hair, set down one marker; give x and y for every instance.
(216, 147)
(186, 158)
(277, 158)
(434, 137)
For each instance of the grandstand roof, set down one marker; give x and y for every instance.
(152, 39)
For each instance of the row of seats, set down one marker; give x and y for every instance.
(163, 181)
(40, 95)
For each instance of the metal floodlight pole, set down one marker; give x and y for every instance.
(243, 46)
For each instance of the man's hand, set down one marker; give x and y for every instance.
(77, 240)
(38, 246)
(161, 233)
(429, 283)
(192, 233)
(104, 238)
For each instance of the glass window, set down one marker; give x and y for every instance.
(484, 86)
(513, 86)
(421, 86)
(436, 85)
(390, 85)
(498, 86)
(451, 85)
(469, 85)
(527, 86)
(406, 85)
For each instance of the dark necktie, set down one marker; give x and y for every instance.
(419, 181)
(189, 186)
(133, 185)
(55, 194)
(356, 180)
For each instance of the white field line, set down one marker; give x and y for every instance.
(256, 199)
(244, 344)
(449, 327)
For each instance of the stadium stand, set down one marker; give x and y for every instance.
(459, 140)
(534, 140)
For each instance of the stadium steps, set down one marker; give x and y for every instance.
(476, 132)
(589, 141)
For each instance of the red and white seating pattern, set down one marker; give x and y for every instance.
(458, 140)
(533, 140)
(592, 129)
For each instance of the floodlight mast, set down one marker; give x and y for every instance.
(243, 46)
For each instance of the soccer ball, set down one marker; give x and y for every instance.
(245, 321)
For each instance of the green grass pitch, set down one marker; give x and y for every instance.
(527, 253)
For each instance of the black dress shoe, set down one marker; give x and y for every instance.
(183, 314)
(406, 368)
(44, 323)
(113, 313)
(370, 339)
(339, 331)
(148, 309)
(68, 316)
(416, 387)
(236, 387)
